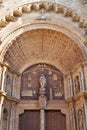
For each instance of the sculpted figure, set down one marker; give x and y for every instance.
(77, 85)
(80, 119)
(42, 81)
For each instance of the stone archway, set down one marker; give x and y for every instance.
(49, 39)
(45, 46)
(42, 86)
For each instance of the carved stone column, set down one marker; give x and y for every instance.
(2, 93)
(42, 119)
(1, 103)
(0, 75)
(3, 77)
(42, 101)
(83, 80)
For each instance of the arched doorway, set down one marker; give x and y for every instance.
(42, 83)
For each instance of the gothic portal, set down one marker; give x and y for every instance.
(43, 65)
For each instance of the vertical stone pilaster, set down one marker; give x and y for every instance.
(83, 79)
(16, 121)
(42, 119)
(66, 88)
(86, 113)
(3, 77)
(71, 80)
(18, 87)
(1, 103)
(0, 75)
(3, 69)
(85, 76)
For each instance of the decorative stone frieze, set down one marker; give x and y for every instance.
(2, 23)
(76, 18)
(25, 9)
(36, 7)
(9, 18)
(83, 24)
(68, 13)
(17, 13)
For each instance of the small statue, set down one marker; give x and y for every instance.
(42, 82)
(80, 120)
(77, 85)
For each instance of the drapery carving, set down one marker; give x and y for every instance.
(77, 85)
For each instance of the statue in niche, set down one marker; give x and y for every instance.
(42, 91)
(42, 82)
(8, 84)
(5, 117)
(77, 85)
(80, 120)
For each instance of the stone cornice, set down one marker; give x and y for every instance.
(51, 104)
(75, 68)
(10, 98)
(9, 68)
(77, 97)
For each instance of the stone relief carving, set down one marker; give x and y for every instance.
(42, 82)
(8, 84)
(80, 120)
(5, 118)
(77, 85)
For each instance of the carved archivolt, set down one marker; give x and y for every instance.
(48, 7)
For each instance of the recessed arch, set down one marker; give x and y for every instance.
(16, 33)
(20, 24)
(44, 46)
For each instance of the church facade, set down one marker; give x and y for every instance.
(43, 65)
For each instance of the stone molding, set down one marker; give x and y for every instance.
(9, 98)
(48, 7)
(9, 68)
(77, 97)
(36, 6)
(38, 25)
